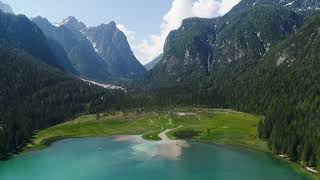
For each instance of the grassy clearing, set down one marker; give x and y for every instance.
(207, 125)
(220, 126)
(152, 136)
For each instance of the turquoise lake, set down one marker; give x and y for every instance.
(132, 158)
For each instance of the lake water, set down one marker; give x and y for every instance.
(132, 158)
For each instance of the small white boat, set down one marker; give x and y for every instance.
(100, 148)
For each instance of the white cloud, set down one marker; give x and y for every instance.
(206, 8)
(131, 35)
(227, 5)
(148, 49)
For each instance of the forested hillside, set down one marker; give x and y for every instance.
(259, 59)
(191, 52)
(301, 6)
(22, 33)
(283, 86)
(39, 83)
(34, 95)
(293, 113)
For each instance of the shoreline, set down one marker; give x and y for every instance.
(164, 136)
(312, 173)
(295, 166)
(136, 124)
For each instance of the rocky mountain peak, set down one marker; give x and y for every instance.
(41, 20)
(295, 5)
(6, 8)
(74, 24)
(112, 45)
(102, 47)
(110, 27)
(242, 35)
(112, 24)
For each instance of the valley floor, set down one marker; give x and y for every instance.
(218, 126)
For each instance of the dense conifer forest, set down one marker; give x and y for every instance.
(283, 86)
(35, 96)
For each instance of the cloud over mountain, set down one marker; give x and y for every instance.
(152, 46)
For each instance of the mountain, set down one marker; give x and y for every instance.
(192, 51)
(74, 24)
(153, 63)
(6, 8)
(36, 91)
(78, 48)
(283, 87)
(292, 68)
(295, 5)
(112, 45)
(20, 32)
(261, 58)
(35, 95)
(100, 53)
(61, 56)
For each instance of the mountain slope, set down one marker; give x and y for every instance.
(153, 63)
(22, 33)
(61, 56)
(192, 51)
(100, 53)
(255, 59)
(34, 96)
(283, 86)
(294, 72)
(74, 24)
(79, 50)
(295, 5)
(112, 45)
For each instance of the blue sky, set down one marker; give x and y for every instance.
(143, 16)
(145, 22)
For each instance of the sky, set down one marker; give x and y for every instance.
(145, 22)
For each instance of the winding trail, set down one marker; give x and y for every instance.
(164, 136)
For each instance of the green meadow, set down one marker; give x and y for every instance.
(206, 125)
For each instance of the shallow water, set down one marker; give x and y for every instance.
(132, 158)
